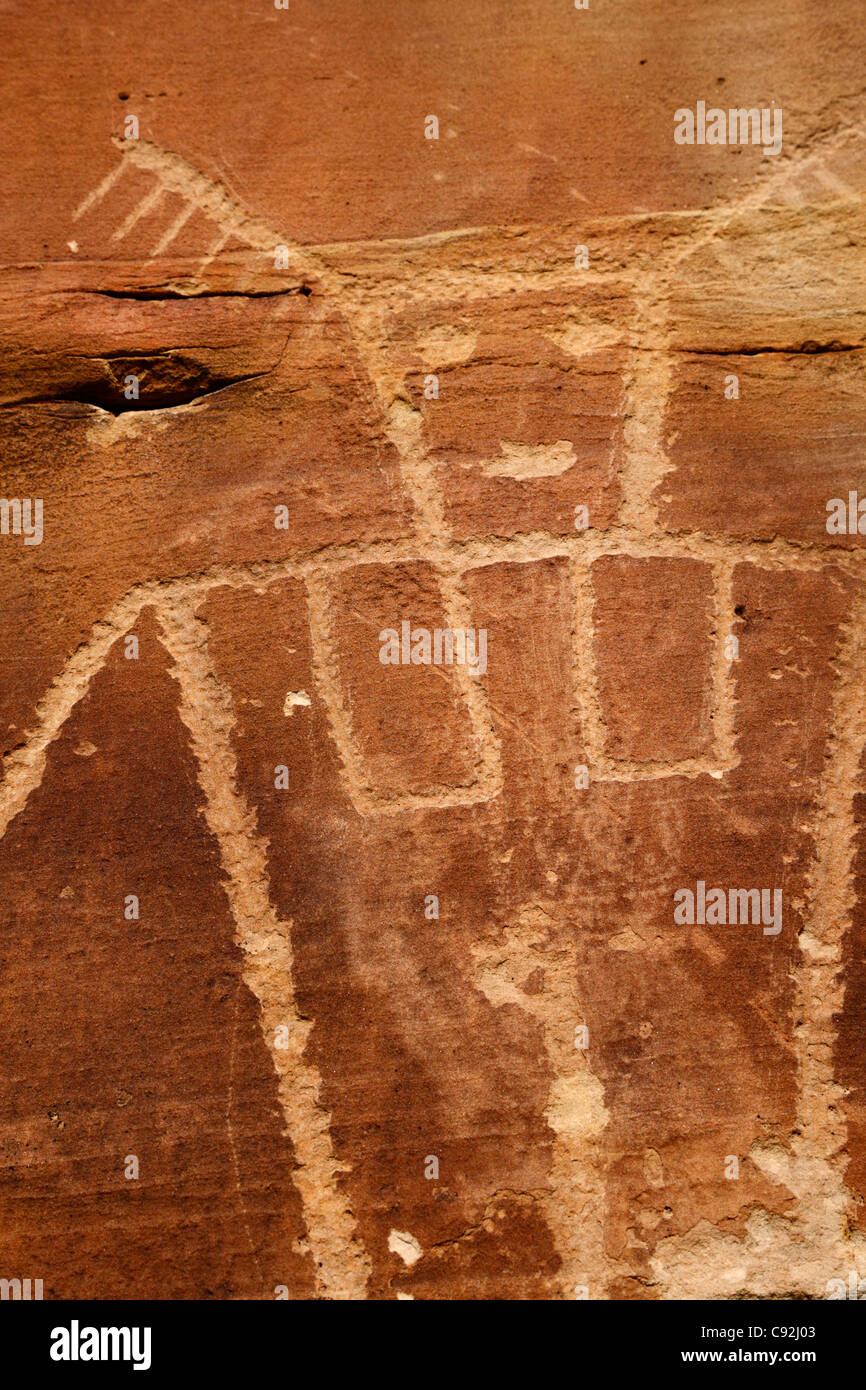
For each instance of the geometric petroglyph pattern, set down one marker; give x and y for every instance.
(645, 398)
(528, 971)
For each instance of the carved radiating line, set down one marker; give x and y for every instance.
(215, 248)
(171, 232)
(100, 191)
(147, 204)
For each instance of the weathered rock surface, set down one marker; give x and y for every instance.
(332, 978)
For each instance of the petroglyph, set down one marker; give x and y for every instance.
(341, 1263)
(367, 285)
(575, 1111)
(531, 461)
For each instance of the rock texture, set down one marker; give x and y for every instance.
(328, 978)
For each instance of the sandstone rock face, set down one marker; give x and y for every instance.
(331, 969)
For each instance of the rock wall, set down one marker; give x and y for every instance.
(336, 340)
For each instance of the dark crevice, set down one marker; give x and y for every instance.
(162, 384)
(808, 349)
(157, 294)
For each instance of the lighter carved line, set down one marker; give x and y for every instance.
(342, 1267)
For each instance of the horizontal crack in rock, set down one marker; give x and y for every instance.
(163, 382)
